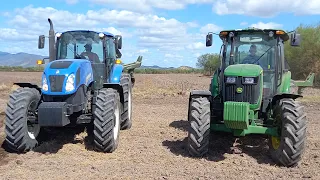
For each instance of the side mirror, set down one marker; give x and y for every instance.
(209, 40)
(42, 61)
(119, 41)
(41, 42)
(295, 39)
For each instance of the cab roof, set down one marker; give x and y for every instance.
(283, 34)
(105, 33)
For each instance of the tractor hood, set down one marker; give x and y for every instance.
(57, 73)
(245, 70)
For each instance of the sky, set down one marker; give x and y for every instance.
(167, 33)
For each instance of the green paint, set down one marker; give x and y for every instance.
(285, 83)
(272, 131)
(245, 70)
(236, 115)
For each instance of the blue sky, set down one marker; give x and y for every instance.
(165, 32)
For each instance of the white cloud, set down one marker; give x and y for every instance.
(210, 28)
(72, 1)
(243, 23)
(147, 32)
(148, 5)
(143, 51)
(266, 8)
(268, 25)
(196, 46)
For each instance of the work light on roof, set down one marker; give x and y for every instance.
(58, 35)
(101, 35)
(271, 33)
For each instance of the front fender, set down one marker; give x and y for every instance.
(116, 73)
(284, 95)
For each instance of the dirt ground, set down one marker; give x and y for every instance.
(155, 146)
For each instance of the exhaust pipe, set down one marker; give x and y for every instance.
(52, 50)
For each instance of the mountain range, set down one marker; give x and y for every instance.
(30, 60)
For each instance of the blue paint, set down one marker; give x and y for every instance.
(86, 75)
(116, 73)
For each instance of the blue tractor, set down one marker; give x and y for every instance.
(83, 83)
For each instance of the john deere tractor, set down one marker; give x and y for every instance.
(83, 83)
(250, 94)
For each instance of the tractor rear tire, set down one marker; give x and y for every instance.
(199, 130)
(106, 121)
(288, 149)
(126, 121)
(21, 134)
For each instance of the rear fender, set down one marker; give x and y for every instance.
(284, 95)
(29, 85)
(116, 86)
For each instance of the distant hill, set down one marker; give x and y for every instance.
(185, 68)
(29, 60)
(19, 59)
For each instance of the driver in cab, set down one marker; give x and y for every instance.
(93, 57)
(252, 57)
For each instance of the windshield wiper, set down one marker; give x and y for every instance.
(262, 55)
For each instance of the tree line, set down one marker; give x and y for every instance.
(302, 60)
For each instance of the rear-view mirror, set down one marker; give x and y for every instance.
(119, 41)
(41, 41)
(209, 40)
(295, 39)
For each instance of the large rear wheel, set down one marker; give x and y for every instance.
(199, 130)
(126, 121)
(107, 120)
(287, 149)
(21, 127)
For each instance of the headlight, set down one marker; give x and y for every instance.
(231, 79)
(70, 83)
(249, 80)
(44, 83)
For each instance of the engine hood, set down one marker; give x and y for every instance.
(57, 72)
(245, 70)
(64, 66)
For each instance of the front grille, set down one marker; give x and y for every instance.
(250, 92)
(56, 82)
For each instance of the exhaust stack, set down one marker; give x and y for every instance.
(52, 49)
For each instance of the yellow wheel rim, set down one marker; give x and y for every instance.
(275, 142)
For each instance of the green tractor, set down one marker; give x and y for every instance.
(250, 94)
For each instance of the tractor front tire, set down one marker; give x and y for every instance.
(287, 149)
(106, 121)
(21, 128)
(126, 121)
(199, 129)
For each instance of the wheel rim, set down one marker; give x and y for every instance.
(129, 105)
(33, 128)
(275, 141)
(117, 121)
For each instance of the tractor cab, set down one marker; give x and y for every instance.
(250, 53)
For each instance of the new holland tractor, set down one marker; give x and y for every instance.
(250, 94)
(83, 83)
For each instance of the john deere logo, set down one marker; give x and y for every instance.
(239, 90)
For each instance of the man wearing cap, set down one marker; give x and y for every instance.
(252, 57)
(93, 57)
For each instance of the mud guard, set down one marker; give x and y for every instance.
(29, 85)
(116, 86)
(284, 95)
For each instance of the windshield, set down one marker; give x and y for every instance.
(80, 45)
(252, 49)
(255, 48)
